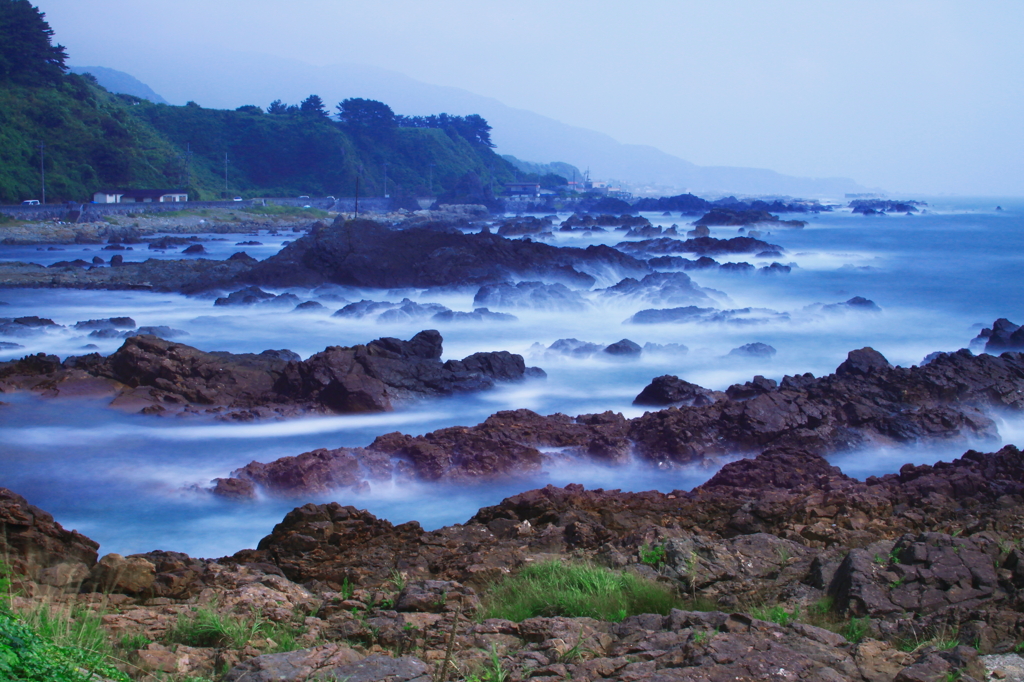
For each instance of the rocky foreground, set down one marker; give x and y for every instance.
(155, 376)
(921, 571)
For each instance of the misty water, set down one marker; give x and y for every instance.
(134, 483)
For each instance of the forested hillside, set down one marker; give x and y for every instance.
(93, 139)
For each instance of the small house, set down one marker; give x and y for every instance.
(131, 196)
(522, 189)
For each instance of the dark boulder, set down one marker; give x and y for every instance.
(671, 390)
(625, 347)
(367, 254)
(863, 361)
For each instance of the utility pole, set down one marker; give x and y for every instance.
(42, 169)
(188, 164)
(357, 198)
(225, 175)
(432, 178)
(385, 179)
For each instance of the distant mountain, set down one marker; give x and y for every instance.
(227, 81)
(120, 82)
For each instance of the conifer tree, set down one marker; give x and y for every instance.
(27, 53)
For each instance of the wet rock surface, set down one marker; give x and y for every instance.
(702, 246)
(185, 276)
(866, 402)
(736, 217)
(1003, 335)
(926, 556)
(155, 376)
(367, 254)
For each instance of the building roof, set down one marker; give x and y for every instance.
(154, 193)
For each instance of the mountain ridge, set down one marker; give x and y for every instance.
(519, 132)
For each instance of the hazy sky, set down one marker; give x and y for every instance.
(921, 97)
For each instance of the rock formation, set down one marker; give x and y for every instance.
(157, 376)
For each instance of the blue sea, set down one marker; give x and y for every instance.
(135, 483)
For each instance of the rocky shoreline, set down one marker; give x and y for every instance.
(926, 563)
(866, 403)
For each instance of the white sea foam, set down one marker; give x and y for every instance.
(120, 478)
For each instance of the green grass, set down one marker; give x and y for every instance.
(284, 211)
(76, 628)
(27, 655)
(555, 588)
(205, 627)
(776, 614)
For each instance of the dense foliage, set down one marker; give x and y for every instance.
(92, 141)
(27, 52)
(87, 139)
(28, 656)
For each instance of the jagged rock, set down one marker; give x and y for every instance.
(1002, 336)
(922, 574)
(665, 288)
(758, 386)
(588, 221)
(754, 350)
(530, 295)
(296, 666)
(702, 263)
(32, 542)
(435, 596)
(774, 268)
(148, 371)
(692, 313)
(704, 246)
(478, 315)
(524, 226)
(246, 296)
(574, 347)
(733, 217)
(109, 323)
(674, 348)
(363, 308)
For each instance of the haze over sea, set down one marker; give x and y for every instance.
(134, 482)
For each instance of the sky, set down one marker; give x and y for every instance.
(908, 96)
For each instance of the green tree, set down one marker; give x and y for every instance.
(476, 129)
(27, 53)
(313, 106)
(367, 114)
(277, 107)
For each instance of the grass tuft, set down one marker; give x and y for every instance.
(554, 588)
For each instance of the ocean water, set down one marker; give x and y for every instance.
(134, 483)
